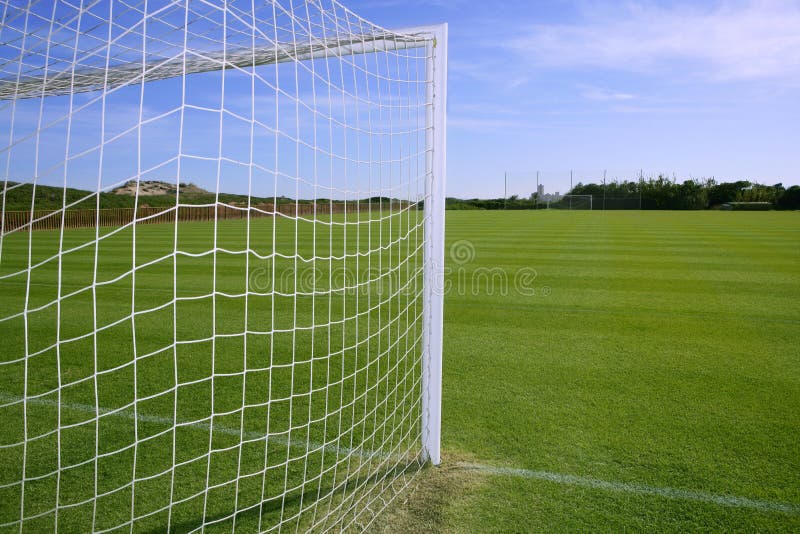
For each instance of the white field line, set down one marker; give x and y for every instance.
(638, 489)
(558, 478)
(250, 435)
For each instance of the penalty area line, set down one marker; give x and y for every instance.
(732, 501)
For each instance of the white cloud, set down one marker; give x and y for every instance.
(604, 95)
(749, 40)
(486, 70)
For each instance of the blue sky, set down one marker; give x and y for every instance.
(697, 89)
(690, 89)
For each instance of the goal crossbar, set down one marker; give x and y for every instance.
(190, 61)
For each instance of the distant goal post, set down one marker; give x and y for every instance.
(572, 202)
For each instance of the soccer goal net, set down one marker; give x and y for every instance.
(572, 202)
(221, 238)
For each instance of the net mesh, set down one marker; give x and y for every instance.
(211, 264)
(572, 202)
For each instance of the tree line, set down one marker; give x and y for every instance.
(660, 193)
(513, 202)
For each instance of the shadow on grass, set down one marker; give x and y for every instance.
(344, 497)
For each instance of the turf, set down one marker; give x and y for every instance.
(299, 339)
(646, 349)
(660, 349)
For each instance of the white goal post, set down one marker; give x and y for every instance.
(221, 262)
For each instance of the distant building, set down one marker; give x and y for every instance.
(540, 190)
(550, 197)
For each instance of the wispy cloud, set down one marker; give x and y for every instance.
(472, 68)
(749, 40)
(484, 124)
(605, 95)
(486, 71)
(445, 4)
(487, 116)
(657, 109)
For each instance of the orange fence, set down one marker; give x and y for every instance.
(90, 218)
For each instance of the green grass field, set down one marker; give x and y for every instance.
(646, 377)
(662, 352)
(313, 338)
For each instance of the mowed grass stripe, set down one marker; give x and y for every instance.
(249, 435)
(559, 478)
(638, 489)
(653, 312)
(664, 355)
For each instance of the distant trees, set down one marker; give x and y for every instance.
(511, 203)
(724, 192)
(660, 193)
(789, 198)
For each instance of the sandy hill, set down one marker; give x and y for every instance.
(156, 187)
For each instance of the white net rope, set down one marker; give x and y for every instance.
(211, 264)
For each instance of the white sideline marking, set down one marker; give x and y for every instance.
(638, 489)
(127, 413)
(558, 478)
